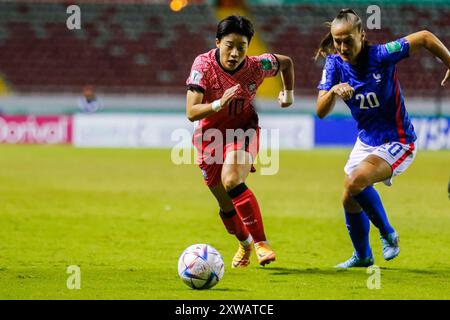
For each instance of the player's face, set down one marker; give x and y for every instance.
(233, 49)
(347, 40)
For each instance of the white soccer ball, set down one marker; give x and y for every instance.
(200, 266)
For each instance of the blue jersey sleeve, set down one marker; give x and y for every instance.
(330, 76)
(393, 52)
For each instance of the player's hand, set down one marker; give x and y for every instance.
(228, 95)
(344, 90)
(285, 98)
(447, 76)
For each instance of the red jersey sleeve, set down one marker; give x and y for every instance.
(267, 64)
(198, 77)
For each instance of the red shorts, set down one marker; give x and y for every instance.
(211, 153)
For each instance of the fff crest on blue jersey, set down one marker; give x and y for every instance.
(377, 77)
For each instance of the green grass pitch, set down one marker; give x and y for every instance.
(124, 216)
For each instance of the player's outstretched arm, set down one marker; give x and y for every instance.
(286, 97)
(327, 99)
(196, 110)
(426, 39)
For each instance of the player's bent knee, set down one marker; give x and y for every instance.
(356, 184)
(349, 204)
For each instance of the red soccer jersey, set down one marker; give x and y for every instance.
(208, 76)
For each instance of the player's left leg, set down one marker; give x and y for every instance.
(359, 185)
(236, 167)
(234, 225)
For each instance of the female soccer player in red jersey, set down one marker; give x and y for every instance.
(221, 87)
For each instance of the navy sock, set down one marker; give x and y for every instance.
(371, 203)
(358, 226)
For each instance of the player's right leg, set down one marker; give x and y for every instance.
(234, 225)
(358, 226)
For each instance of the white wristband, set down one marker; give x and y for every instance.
(216, 105)
(288, 96)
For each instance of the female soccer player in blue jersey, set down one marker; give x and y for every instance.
(365, 77)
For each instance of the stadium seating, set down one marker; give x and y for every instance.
(120, 47)
(149, 49)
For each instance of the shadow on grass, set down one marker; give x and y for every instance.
(229, 290)
(424, 271)
(305, 271)
(333, 272)
(215, 289)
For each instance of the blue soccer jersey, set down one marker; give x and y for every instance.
(377, 104)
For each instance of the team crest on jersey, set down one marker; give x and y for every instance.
(377, 77)
(393, 46)
(196, 76)
(266, 64)
(252, 87)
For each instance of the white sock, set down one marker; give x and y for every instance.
(247, 241)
